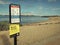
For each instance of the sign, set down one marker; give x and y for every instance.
(14, 13)
(14, 18)
(14, 10)
(14, 29)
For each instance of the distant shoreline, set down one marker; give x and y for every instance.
(52, 20)
(36, 15)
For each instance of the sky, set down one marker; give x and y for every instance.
(32, 7)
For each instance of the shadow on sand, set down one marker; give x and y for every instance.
(5, 40)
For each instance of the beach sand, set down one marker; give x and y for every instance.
(43, 33)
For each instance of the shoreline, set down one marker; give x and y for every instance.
(51, 20)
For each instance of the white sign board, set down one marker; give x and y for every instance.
(15, 14)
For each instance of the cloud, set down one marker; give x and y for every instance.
(48, 8)
(29, 0)
(54, 9)
(52, 0)
(27, 13)
(4, 2)
(40, 7)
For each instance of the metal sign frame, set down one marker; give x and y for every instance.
(10, 16)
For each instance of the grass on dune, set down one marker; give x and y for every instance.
(4, 25)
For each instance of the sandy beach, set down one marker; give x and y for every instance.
(43, 33)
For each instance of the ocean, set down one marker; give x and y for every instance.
(25, 19)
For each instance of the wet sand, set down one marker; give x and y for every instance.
(44, 33)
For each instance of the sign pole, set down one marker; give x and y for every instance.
(15, 39)
(14, 27)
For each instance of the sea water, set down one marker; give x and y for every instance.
(25, 19)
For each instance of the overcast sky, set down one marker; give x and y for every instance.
(32, 7)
